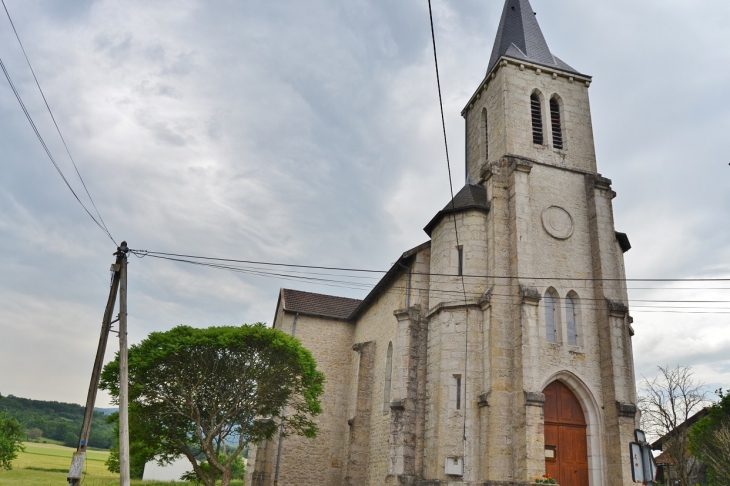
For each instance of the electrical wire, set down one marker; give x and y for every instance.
(143, 253)
(48, 152)
(106, 230)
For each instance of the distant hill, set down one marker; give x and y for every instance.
(106, 411)
(58, 421)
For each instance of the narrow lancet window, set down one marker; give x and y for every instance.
(551, 328)
(485, 137)
(388, 378)
(536, 109)
(457, 379)
(556, 124)
(571, 309)
(460, 249)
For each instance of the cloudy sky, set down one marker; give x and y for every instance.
(309, 132)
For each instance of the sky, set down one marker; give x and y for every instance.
(309, 133)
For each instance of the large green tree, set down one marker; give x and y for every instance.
(709, 440)
(195, 392)
(11, 440)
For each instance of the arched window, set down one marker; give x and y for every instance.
(551, 315)
(484, 136)
(536, 110)
(572, 318)
(555, 123)
(388, 378)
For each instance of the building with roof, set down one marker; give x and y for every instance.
(500, 349)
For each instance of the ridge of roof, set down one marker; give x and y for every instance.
(471, 196)
(519, 37)
(395, 269)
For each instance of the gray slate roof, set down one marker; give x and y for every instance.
(519, 37)
(471, 196)
(320, 305)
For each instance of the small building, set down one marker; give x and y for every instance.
(666, 464)
(500, 349)
(167, 473)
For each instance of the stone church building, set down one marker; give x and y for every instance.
(500, 349)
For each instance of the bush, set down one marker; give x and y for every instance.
(34, 434)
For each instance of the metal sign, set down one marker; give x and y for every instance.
(643, 466)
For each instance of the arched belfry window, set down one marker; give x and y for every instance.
(388, 378)
(556, 123)
(484, 136)
(550, 303)
(536, 111)
(572, 318)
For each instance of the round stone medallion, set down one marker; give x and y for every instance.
(557, 222)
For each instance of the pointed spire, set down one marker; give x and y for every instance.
(519, 37)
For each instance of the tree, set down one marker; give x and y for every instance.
(195, 392)
(11, 440)
(667, 402)
(34, 433)
(709, 440)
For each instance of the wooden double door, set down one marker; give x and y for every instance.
(566, 449)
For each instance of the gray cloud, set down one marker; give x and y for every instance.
(309, 132)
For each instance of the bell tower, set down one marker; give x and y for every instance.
(549, 374)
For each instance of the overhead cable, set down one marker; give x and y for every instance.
(106, 230)
(48, 152)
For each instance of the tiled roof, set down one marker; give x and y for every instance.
(664, 459)
(470, 196)
(318, 304)
(519, 37)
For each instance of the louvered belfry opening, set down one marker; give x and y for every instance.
(536, 119)
(555, 122)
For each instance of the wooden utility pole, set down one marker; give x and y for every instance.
(119, 278)
(123, 374)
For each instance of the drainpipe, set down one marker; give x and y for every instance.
(408, 285)
(283, 416)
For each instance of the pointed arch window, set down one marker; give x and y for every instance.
(556, 123)
(572, 309)
(551, 316)
(484, 136)
(536, 111)
(388, 378)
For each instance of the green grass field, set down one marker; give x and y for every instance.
(47, 465)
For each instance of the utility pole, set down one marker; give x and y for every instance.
(123, 374)
(118, 277)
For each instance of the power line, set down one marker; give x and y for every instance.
(48, 152)
(585, 303)
(143, 253)
(106, 230)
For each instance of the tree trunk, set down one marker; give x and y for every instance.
(226, 477)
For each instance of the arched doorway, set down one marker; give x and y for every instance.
(566, 450)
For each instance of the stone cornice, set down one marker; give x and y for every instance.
(413, 313)
(626, 409)
(529, 295)
(451, 306)
(617, 308)
(485, 301)
(522, 65)
(534, 399)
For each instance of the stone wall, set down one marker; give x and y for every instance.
(320, 461)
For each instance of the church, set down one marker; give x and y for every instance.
(499, 350)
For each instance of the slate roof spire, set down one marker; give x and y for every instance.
(519, 37)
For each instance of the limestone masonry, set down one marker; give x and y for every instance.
(503, 356)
